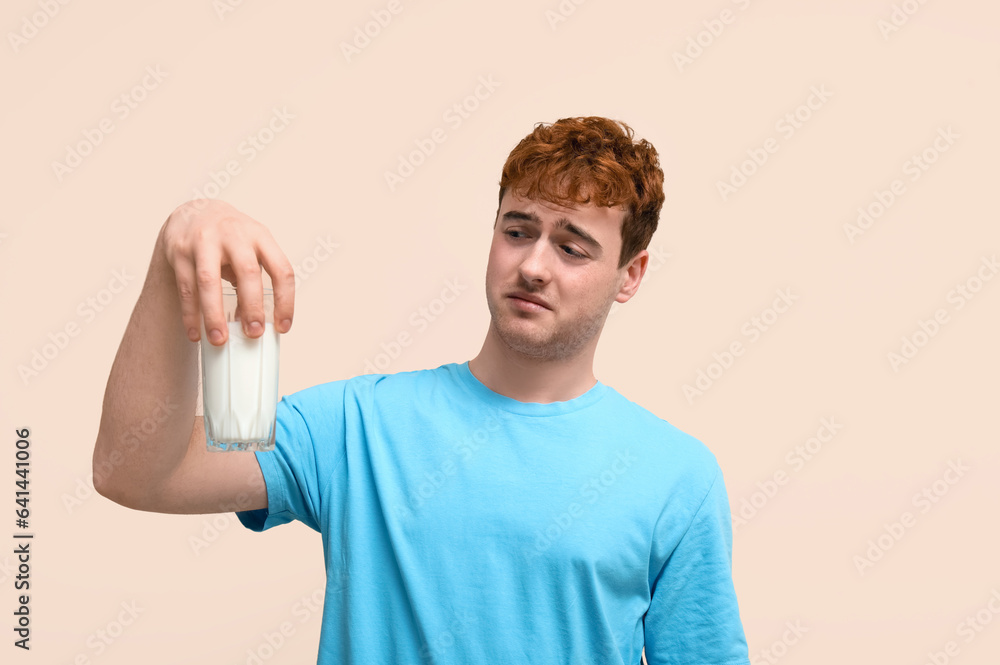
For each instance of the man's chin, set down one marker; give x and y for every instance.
(534, 345)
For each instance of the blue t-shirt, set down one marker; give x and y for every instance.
(463, 526)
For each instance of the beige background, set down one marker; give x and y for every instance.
(322, 177)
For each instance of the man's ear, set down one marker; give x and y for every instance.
(633, 273)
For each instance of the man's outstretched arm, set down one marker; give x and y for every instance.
(150, 451)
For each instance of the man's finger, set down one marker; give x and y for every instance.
(208, 262)
(250, 299)
(187, 291)
(282, 280)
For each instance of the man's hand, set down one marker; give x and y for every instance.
(206, 241)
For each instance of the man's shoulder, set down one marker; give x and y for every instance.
(407, 380)
(660, 435)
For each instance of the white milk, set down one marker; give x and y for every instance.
(240, 384)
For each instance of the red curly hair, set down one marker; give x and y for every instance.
(576, 161)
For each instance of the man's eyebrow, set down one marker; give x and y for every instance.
(562, 222)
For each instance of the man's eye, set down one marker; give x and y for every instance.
(509, 233)
(572, 252)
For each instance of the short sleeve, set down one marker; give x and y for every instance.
(693, 616)
(308, 439)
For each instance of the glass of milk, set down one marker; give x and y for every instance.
(240, 381)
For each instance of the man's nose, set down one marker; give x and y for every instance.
(535, 264)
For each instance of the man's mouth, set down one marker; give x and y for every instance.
(529, 301)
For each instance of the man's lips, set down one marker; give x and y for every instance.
(530, 298)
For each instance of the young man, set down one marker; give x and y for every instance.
(509, 509)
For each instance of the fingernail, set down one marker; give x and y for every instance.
(255, 328)
(286, 324)
(215, 336)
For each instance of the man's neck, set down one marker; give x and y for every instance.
(509, 373)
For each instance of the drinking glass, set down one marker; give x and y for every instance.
(240, 381)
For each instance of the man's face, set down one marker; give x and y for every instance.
(566, 259)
